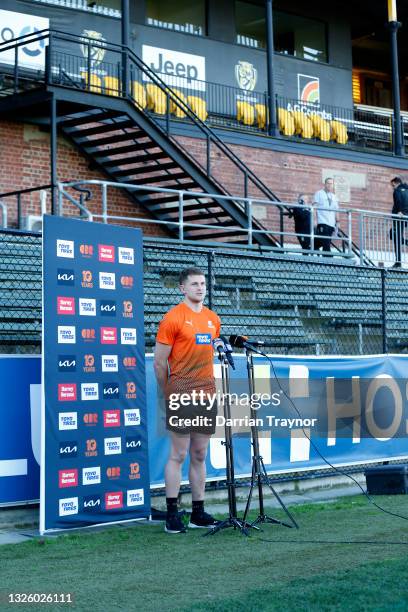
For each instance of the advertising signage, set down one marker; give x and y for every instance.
(94, 429)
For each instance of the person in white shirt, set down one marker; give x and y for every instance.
(327, 205)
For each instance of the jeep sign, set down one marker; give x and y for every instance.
(175, 68)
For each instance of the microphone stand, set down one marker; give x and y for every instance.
(232, 520)
(259, 475)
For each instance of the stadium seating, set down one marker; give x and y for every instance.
(321, 127)
(198, 106)
(303, 125)
(245, 112)
(95, 82)
(261, 115)
(20, 294)
(175, 109)
(139, 95)
(111, 85)
(294, 305)
(156, 99)
(339, 132)
(286, 122)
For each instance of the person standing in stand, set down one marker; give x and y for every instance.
(303, 221)
(184, 367)
(326, 207)
(400, 207)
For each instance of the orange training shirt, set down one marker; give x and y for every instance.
(190, 334)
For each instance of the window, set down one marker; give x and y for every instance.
(378, 91)
(299, 36)
(179, 15)
(356, 86)
(250, 24)
(293, 35)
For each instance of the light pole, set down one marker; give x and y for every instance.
(125, 45)
(394, 25)
(270, 50)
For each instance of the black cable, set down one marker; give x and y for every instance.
(362, 542)
(336, 469)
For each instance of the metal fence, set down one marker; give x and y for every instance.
(84, 5)
(236, 108)
(296, 306)
(20, 292)
(366, 237)
(100, 67)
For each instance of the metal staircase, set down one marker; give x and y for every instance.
(125, 149)
(129, 143)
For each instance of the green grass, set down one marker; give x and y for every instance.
(142, 568)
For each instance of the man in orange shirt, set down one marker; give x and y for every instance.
(184, 370)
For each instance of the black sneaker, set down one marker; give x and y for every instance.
(174, 524)
(203, 520)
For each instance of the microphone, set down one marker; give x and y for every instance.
(218, 345)
(243, 342)
(223, 347)
(228, 351)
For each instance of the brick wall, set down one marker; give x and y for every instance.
(288, 175)
(24, 163)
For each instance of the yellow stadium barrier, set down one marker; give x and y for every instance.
(321, 127)
(139, 95)
(339, 132)
(174, 108)
(286, 122)
(245, 112)
(198, 106)
(95, 83)
(261, 115)
(156, 99)
(303, 125)
(111, 85)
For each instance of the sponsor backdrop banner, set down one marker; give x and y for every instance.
(20, 404)
(370, 391)
(20, 433)
(94, 428)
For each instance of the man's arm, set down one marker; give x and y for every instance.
(317, 204)
(161, 355)
(396, 209)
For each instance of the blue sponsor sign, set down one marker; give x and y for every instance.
(371, 391)
(93, 469)
(343, 404)
(20, 407)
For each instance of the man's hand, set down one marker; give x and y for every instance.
(161, 355)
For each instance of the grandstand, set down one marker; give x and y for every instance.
(208, 141)
(179, 129)
(296, 306)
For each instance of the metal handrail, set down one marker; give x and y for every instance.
(182, 224)
(17, 194)
(51, 34)
(128, 59)
(126, 56)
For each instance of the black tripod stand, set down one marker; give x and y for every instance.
(232, 520)
(259, 475)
